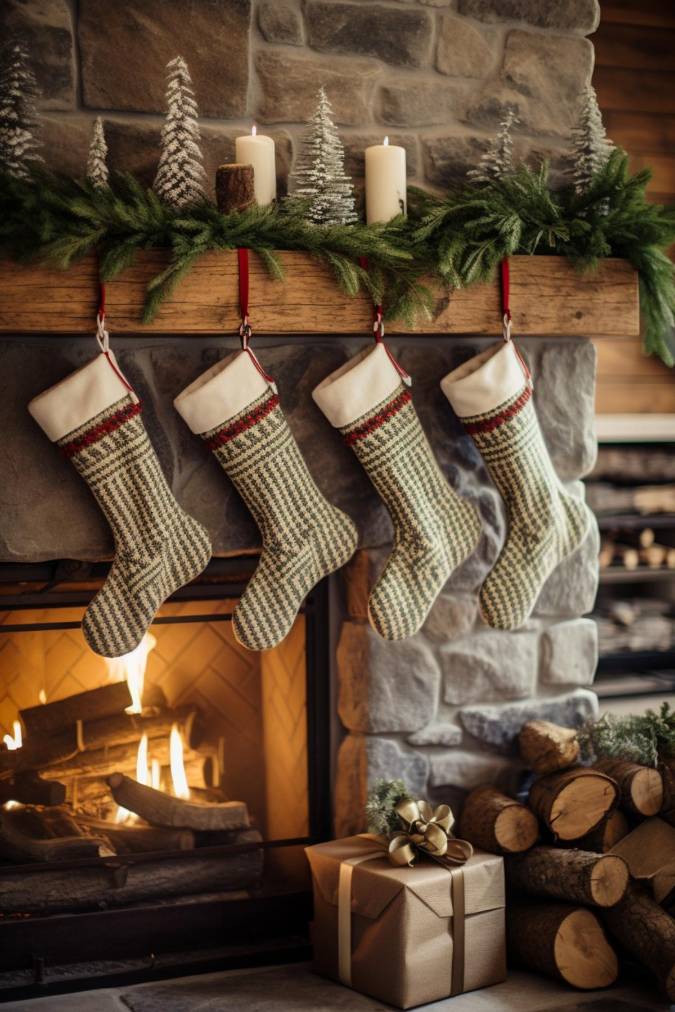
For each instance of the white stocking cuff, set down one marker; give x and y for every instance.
(79, 397)
(486, 381)
(357, 386)
(221, 392)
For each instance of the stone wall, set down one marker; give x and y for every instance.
(436, 75)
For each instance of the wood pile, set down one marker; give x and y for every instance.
(590, 866)
(77, 831)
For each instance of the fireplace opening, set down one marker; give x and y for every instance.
(154, 807)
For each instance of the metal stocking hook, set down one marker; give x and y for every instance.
(102, 335)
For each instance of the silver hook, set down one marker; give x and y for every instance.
(506, 327)
(102, 335)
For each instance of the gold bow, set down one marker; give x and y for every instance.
(426, 830)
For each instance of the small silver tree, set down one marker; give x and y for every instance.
(18, 112)
(180, 174)
(320, 179)
(498, 159)
(97, 166)
(591, 146)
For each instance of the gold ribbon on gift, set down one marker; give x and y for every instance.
(425, 832)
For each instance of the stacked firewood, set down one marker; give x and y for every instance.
(78, 831)
(576, 887)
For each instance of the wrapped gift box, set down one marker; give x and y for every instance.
(406, 936)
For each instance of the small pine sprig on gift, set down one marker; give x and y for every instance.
(497, 161)
(180, 174)
(591, 146)
(323, 191)
(97, 165)
(382, 800)
(18, 112)
(645, 739)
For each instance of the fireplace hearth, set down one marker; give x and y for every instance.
(188, 778)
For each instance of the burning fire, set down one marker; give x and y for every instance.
(178, 775)
(131, 667)
(42, 696)
(14, 740)
(156, 775)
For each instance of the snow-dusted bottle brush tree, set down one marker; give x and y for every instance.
(180, 175)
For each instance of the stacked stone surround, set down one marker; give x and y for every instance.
(436, 75)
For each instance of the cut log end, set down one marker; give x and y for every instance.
(609, 880)
(516, 829)
(582, 954)
(572, 803)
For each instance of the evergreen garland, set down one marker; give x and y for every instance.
(473, 228)
(382, 800)
(462, 237)
(646, 739)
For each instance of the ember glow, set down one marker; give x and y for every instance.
(178, 775)
(14, 740)
(131, 667)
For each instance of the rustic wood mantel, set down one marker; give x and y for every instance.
(548, 299)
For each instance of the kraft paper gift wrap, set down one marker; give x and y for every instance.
(406, 936)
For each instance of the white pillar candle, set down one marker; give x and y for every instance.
(385, 182)
(257, 150)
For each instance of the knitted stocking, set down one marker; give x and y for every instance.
(94, 417)
(492, 394)
(434, 530)
(234, 407)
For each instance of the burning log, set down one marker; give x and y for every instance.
(30, 789)
(574, 875)
(161, 809)
(648, 933)
(573, 802)
(38, 753)
(27, 835)
(99, 762)
(546, 747)
(497, 823)
(46, 718)
(121, 881)
(563, 941)
(138, 839)
(640, 787)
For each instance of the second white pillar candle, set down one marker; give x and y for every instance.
(385, 182)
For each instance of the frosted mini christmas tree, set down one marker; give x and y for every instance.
(591, 147)
(18, 112)
(180, 175)
(97, 166)
(498, 159)
(320, 178)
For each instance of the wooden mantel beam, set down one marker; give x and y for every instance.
(548, 298)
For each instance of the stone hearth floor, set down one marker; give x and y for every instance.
(296, 989)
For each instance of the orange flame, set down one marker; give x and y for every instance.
(178, 775)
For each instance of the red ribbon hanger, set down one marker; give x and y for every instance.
(505, 278)
(245, 329)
